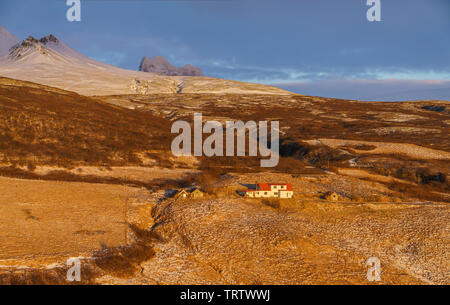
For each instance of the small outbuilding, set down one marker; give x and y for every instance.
(182, 194)
(197, 193)
(193, 193)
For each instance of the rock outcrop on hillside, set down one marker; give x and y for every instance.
(162, 66)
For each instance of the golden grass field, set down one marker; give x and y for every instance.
(50, 217)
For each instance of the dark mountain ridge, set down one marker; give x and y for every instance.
(162, 66)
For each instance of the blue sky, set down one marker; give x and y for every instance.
(320, 47)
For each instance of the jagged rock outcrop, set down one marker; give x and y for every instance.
(26, 47)
(190, 70)
(48, 39)
(162, 66)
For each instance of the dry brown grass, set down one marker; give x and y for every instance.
(120, 262)
(52, 218)
(124, 262)
(61, 175)
(66, 129)
(421, 192)
(211, 239)
(232, 241)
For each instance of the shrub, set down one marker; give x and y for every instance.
(273, 203)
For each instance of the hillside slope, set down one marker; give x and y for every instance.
(44, 125)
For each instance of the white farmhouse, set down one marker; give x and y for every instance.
(271, 190)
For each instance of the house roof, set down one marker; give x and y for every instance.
(196, 191)
(268, 187)
(181, 192)
(264, 186)
(288, 186)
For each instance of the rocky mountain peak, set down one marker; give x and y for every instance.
(47, 39)
(162, 66)
(25, 47)
(30, 45)
(29, 41)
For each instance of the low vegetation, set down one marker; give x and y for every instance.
(41, 126)
(46, 127)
